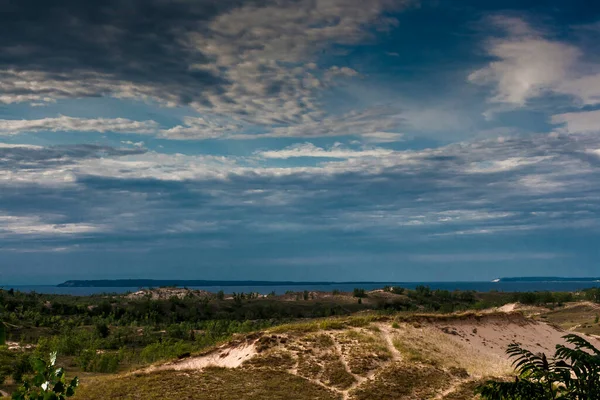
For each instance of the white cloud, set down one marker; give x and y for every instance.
(34, 225)
(310, 150)
(529, 64)
(578, 122)
(382, 137)
(508, 164)
(199, 128)
(64, 124)
(336, 71)
(19, 146)
(526, 64)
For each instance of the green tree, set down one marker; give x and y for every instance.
(2, 334)
(102, 330)
(572, 373)
(48, 383)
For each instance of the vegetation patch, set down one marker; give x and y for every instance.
(211, 384)
(464, 391)
(579, 318)
(309, 367)
(364, 351)
(280, 360)
(400, 381)
(335, 375)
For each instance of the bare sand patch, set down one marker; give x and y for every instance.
(226, 356)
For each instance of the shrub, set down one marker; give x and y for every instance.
(2, 334)
(358, 292)
(397, 290)
(102, 330)
(49, 383)
(21, 366)
(573, 373)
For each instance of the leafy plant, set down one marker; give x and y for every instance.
(572, 373)
(48, 383)
(2, 334)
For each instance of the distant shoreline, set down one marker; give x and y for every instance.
(107, 283)
(181, 283)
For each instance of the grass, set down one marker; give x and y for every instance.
(331, 323)
(578, 318)
(212, 384)
(335, 375)
(464, 391)
(403, 381)
(364, 351)
(280, 360)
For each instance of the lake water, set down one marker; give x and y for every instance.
(477, 286)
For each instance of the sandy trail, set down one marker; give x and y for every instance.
(388, 335)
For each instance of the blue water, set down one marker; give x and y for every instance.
(477, 286)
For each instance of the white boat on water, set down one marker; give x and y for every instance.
(496, 280)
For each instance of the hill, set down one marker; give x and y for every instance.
(358, 357)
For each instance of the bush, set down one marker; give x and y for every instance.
(397, 290)
(21, 366)
(49, 383)
(7, 358)
(165, 350)
(573, 373)
(359, 293)
(102, 330)
(92, 361)
(2, 334)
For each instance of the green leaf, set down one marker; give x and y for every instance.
(39, 365)
(75, 382)
(70, 391)
(59, 387)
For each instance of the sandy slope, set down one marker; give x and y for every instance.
(475, 344)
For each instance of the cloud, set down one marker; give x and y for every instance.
(200, 128)
(310, 150)
(483, 257)
(528, 64)
(250, 60)
(33, 225)
(486, 187)
(578, 122)
(372, 123)
(336, 71)
(63, 124)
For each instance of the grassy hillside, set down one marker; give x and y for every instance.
(355, 345)
(368, 357)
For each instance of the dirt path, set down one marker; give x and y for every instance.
(388, 334)
(359, 379)
(4, 394)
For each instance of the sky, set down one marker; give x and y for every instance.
(308, 140)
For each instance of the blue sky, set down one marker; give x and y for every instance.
(392, 140)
